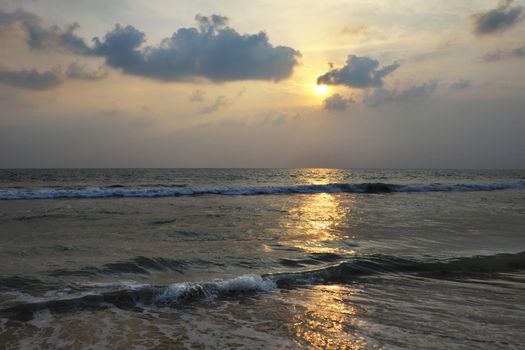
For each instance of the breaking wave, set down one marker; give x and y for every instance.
(172, 191)
(129, 296)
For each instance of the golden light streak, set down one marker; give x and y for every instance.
(328, 320)
(316, 223)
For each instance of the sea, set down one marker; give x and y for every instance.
(262, 259)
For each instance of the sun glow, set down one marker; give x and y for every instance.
(321, 89)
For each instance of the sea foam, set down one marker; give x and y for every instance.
(139, 192)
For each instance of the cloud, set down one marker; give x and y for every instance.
(278, 118)
(41, 36)
(461, 84)
(77, 71)
(518, 52)
(336, 102)
(241, 92)
(233, 123)
(112, 112)
(220, 102)
(214, 52)
(498, 55)
(11, 19)
(30, 79)
(197, 96)
(412, 94)
(492, 56)
(209, 24)
(497, 20)
(358, 72)
(354, 30)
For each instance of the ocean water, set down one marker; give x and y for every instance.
(262, 259)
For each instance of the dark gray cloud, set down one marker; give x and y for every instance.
(337, 102)
(41, 36)
(412, 94)
(11, 18)
(497, 20)
(30, 79)
(19, 16)
(358, 72)
(213, 51)
(209, 24)
(498, 55)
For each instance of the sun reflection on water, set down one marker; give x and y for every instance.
(318, 223)
(322, 176)
(319, 216)
(321, 223)
(327, 320)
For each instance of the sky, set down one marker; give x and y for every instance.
(203, 83)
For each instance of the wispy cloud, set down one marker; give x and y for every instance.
(337, 102)
(413, 94)
(30, 78)
(354, 30)
(40, 35)
(461, 84)
(498, 55)
(220, 102)
(502, 18)
(78, 71)
(197, 96)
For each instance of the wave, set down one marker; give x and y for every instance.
(142, 265)
(130, 296)
(171, 191)
(148, 185)
(141, 295)
(138, 265)
(380, 264)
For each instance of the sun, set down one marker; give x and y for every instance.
(321, 89)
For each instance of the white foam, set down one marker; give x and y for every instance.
(106, 192)
(179, 292)
(465, 187)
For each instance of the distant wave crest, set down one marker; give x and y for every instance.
(172, 191)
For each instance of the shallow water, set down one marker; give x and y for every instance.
(253, 258)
